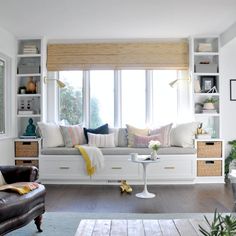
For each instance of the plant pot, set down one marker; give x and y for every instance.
(209, 106)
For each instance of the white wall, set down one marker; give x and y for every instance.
(8, 47)
(228, 108)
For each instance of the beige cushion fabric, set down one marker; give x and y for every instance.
(2, 180)
(101, 140)
(135, 131)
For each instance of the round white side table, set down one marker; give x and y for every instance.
(141, 159)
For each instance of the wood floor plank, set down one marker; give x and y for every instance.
(119, 228)
(168, 228)
(196, 222)
(85, 228)
(152, 228)
(185, 228)
(135, 228)
(102, 228)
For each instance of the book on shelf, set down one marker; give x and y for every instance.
(23, 112)
(209, 111)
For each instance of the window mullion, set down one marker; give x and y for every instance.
(86, 98)
(117, 98)
(149, 97)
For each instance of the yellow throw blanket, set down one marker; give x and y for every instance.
(93, 158)
(21, 187)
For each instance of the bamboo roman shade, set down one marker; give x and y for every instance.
(148, 55)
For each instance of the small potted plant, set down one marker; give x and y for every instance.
(209, 103)
(154, 145)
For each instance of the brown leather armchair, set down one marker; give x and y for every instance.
(18, 210)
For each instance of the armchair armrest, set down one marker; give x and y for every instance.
(13, 174)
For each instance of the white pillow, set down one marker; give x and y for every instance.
(2, 180)
(116, 134)
(101, 140)
(182, 135)
(51, 134)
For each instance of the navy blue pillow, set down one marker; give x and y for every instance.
(100, 130)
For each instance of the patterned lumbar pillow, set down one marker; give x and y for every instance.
(101, 140)
(72, 135)
(2, 180)
(143, 141)
(132, 131)
(100, 130)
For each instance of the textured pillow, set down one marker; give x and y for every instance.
(101, 140)
(143, 141)
(72, 135)
(116, 134)
(2, 180)
(183, 135)
(100, 130)
(122, 137)
(51, 134)
(164, 131)
(132, 131)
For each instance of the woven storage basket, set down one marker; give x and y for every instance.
(27, 163)
(209, 168)
(209, 149)
(26, 149)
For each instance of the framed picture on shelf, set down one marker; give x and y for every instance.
(233, 90)
(207, 83)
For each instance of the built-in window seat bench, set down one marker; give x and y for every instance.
(63, 165)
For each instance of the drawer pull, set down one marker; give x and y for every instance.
(210, 143)
(169, 167)
(209, 162)
(116, 168)
(64, 168)
(26, 143)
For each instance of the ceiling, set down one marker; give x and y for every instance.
(116, 19)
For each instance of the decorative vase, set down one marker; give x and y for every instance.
(31, 86)
(154, 155)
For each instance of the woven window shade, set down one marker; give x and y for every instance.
(151, 55)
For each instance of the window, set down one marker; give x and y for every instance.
(164, 97)
(2, 95)
(71, 97)
(133, 97)
(101, 98)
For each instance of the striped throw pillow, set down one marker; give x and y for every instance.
(101, 140)
(73, 135)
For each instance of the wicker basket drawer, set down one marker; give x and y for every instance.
(209, 149)
(27, 163)
(209, 168)
(26, 149)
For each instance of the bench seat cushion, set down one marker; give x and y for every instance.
(120, 151)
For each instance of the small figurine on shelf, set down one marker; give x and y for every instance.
(30, 129)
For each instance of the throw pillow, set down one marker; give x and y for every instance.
(51, 134)
(116, 134)
(2, 180)
(183, 134)
(101, 140)
(122, 137)
(164, 132)
(143, 141)
(100, 130)
(132, 131)
(72, 135)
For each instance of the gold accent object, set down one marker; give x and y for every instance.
(125, 187)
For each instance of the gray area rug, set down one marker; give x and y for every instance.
(66, 223)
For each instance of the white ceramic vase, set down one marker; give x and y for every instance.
(153, 155)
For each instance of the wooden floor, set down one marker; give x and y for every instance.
(180, 227)
(199, 198)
